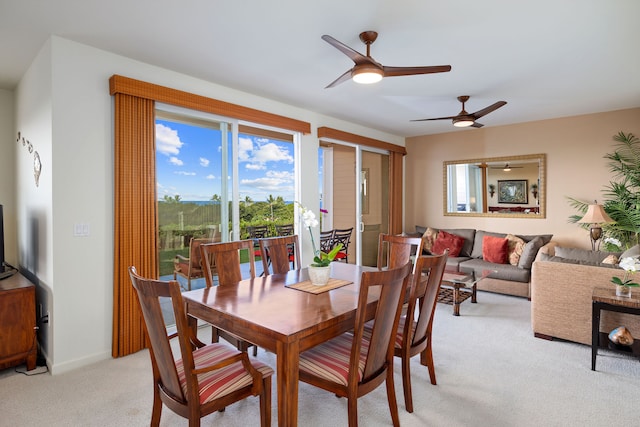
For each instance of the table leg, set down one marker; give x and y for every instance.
(474, 293)
(595, 333)
(287, 383)
(456, 300)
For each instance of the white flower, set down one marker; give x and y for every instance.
(613, 241)
(630, 264)
(309, 218)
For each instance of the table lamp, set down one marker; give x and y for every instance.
(595, 216)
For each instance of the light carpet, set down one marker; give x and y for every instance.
(491, 371)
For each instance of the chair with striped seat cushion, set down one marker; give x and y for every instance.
(225, 256)
(350, 366)
(394, 251)
(280, 254)
(203, 380)
(414, 333)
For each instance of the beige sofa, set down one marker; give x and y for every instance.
(561, 300)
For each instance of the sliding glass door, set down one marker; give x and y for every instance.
(355, 193)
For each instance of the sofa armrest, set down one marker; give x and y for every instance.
(548, 249)
(561, 301)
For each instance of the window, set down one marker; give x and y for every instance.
(212, 184)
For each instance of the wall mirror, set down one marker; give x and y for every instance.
(513, 186)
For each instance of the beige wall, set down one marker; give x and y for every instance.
(574, 146)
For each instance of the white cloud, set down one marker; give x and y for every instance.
(245, 149)
(211, 176)
(254, 166)
(272, 181)
(271, 152)
(204, 162)
(167, 140)
(185, 173)
(175, 161)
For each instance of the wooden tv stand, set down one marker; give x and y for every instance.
(18, 342)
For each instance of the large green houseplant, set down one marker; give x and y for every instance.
(621, 195)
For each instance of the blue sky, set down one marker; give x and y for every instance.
(189, 160)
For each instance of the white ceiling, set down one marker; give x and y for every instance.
(546, 58)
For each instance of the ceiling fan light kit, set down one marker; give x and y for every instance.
(463, 122)
(366, 74)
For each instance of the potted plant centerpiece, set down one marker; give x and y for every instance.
(320, 268)
(630, 265)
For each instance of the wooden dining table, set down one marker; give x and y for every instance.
(286, 321)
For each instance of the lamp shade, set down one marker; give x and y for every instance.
(595, 215)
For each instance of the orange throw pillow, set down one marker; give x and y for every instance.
(495, 249)
(447, 241)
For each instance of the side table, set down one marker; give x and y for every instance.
(606, 299)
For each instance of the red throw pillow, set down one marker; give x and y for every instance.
(447, 241)
(495, 249)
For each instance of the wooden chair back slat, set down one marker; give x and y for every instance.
(394, 251)
(224, 257)
(278, 253)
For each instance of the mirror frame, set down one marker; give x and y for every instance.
(542, 187)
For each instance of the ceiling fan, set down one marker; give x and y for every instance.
(464, 119)
(367, 70)
(507, 167)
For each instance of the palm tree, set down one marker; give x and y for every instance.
(271, 200)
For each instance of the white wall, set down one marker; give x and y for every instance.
(66, 93)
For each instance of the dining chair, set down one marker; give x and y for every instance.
(326, 240)
(351, 366)
(206, 377)
(414, 332)
(280, 254)
(395, 250)
(284, 230)
(190, 268)
(224, 259)
(342, 236)
(255, 233)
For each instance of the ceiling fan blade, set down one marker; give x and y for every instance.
(355, 56)
(410, 71)
(437, 118)
(476, 125)
(488, 109)
(343, 78)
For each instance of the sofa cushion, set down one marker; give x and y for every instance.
(546, 238)
(593, 257)
(633, 252)
(429, 238)
(500, 271)
(529, 253)
(545, 257)
(467, 233)
(478, 240)
(516, 246)
(447, 241)
(495, 249)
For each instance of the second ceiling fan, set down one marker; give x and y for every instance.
(464, 119)
(367, 70)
